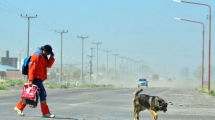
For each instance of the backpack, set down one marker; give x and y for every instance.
(26, 64)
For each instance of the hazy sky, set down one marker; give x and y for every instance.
(138, 29)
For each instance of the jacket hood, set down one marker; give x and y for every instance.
(38, 50)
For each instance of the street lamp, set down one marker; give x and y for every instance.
(202, 45)
(209, 56)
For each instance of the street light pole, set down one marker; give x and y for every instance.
(28, 17)
(209, 56)
(82, 55)
(202, 45)
(61, 33)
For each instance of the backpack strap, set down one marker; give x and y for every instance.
(38, 56)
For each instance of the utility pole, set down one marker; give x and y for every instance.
(157, 68)
(142, 68)
(131, 66)
(135, 70)
(61, 33)
(107, 62)
(82, 55)
(86, 69)
(28, 17)
(139, 67)
(126, 67)
(91, 63)
(97, 57)
(115, 66)
(122, 63)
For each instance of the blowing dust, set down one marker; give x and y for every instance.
(132, 82)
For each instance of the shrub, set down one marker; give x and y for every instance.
(3, 87)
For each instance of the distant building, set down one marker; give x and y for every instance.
(6, 60)
(10, 72)
(19, 64)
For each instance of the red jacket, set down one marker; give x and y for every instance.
(38, 67)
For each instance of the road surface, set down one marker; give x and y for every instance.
(111, 104)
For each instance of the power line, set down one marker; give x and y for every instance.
(7, 11)
(39, 26)
(46, 24)
(14, 10)
(9, 8)
(15, 7)
(155, 53)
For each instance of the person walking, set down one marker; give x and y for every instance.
(37, 73)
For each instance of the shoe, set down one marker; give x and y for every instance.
(49, 115)
(19, 112)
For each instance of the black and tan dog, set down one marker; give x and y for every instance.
(152, 103)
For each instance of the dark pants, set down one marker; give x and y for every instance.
(42, 93)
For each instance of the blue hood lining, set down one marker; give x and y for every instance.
(38, 50)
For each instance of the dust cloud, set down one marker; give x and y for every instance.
(132, 82)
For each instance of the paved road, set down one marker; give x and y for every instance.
(102, 103)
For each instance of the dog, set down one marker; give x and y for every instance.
(152, 103)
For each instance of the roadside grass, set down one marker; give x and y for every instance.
(6, 84)
(3, 87)
(53, 85)
(96, 86)
(205, 90)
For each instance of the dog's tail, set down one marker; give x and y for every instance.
(136, 92)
